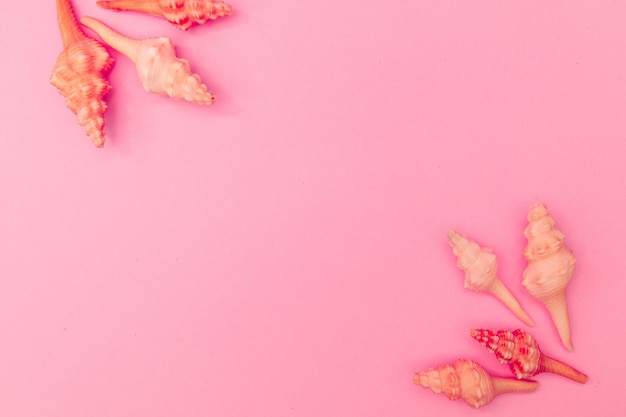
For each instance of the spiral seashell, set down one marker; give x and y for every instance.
(159, 70)
(550, 268)
(481, 272)
(468, 380)
(79, 74)
(521, 352)
(181, 13)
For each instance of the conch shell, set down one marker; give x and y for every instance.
(481, 272)
(468, 380)
(159, 70)
(181, 13)
(521, 352)
(550, 268)
(79, 74)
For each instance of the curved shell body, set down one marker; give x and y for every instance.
(159, 70)
(181, 13)
(468, 380)
(521, 352)
(79, 74)
(550, 268)
(481, 272)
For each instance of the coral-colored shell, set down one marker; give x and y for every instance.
(550, 268)
(181, 13)
(79, 74)
(159, 70)
(521, 352)
(468, 380)
(481, 272)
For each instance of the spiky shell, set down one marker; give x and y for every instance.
(479, 264)
(481, 272)
(516, 349)
(521, 352)
(79, 74)
(468, 380)
(181, 13)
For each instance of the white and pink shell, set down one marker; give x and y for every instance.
(159, 69)
(481, 272)
(550, 268)
(468, 380)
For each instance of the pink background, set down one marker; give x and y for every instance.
(284, 252)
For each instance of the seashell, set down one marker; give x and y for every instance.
(481, 272)
(181, 13)
(79, 74)
(521, 352)
(468, 380)
(159, 70)
(550, 268)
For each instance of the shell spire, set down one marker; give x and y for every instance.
(181, 13)
(481, 272)
(79, 74)
(521, 352)
(550, 268)
(159, 70)
(468, 380)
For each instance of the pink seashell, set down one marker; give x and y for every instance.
(466, 379)
(159, 70)
(481, 272)
(521, 352)
(550, 268)
(181, 13)
(79, 74)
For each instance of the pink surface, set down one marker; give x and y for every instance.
(284, 252)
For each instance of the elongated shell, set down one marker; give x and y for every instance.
(521, 352)
(79, 74)
(468, 380)
(481, 272)
(159, 70)
(550, 268)
(181, 13)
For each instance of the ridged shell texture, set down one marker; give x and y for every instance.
(79, 74)
(181, 13)
(521, 352)
(468, 380)
(550, 268)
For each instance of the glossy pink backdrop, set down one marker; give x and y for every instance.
(284, 253)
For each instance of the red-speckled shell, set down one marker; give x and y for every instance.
(521, 352)
(516, 349)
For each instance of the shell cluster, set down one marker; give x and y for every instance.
(550, 269)
(81, 69)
